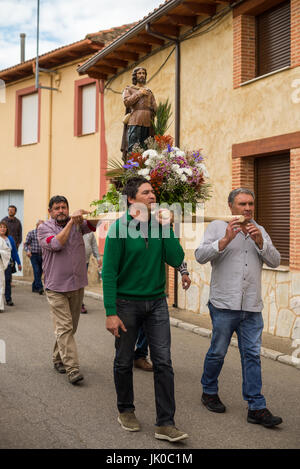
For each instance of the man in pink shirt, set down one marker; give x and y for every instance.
(65, 276)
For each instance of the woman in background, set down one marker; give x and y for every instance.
(10, 269)
(5, 254)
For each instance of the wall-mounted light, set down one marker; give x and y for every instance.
(57, 79)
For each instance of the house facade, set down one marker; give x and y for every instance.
(231, 71)
(50, 137)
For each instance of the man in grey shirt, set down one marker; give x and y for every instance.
(237, 252)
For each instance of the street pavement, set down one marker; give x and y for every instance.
(39, 409)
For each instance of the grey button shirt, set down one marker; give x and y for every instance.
(236, 271)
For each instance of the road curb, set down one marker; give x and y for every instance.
(265, 352)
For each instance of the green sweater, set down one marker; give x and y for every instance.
(134, 267)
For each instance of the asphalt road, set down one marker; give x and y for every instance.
(40, 409)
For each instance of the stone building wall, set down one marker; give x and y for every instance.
(280, 293)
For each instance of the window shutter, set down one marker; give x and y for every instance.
(89, 109)
(272, 178)
(29, 129)
(273, 39)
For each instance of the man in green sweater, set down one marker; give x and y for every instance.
(137, 247)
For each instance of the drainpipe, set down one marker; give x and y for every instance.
(22, 47)
(102, 231)
(50, 142)
(177, 116)
(103, 146)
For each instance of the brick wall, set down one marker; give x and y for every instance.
(243, 49)
(244, 61)
(170, 285)
(295, 209)
(243, 173)
(243, 176)
(295, 33)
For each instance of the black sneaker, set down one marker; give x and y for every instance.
(74, 377)
(263, 417)
(59, 367)
(10, 303)
(213, 403)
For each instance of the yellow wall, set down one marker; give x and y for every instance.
(75, 160)
(23, 168)
(214, 116)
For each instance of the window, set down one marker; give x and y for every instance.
(89, 109)
(271, 167)
(272, 187)
(27, 126)
(265, 38)
(273, 39)
(86, 107)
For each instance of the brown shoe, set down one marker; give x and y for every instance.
(143, 364)
(169, 433)
(129, 422)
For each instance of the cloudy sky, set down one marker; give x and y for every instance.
(61, 22)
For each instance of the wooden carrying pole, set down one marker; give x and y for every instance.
(111, 216)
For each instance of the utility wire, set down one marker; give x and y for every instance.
(151, 78)
(192, 35)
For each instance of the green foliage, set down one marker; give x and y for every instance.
(108, 203)
(161, 119)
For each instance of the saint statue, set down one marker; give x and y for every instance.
(140, 109)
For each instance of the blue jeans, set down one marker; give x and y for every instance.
(248, 327)
(141, 348)
(36, 262)
(154, 315)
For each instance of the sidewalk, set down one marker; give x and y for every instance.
(275, 348)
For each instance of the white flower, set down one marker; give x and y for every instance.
(148, 178)
(179, 171)
(203, 168)
(175, 167)
(188, 171)
(144, 172)
(180, 153)
(183, 178)
(150, 154)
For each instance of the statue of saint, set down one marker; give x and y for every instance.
(140, 108)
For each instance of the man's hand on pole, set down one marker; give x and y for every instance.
(233, 228)
(255, 234)
(76, 216)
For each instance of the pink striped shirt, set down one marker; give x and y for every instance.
(64, 266)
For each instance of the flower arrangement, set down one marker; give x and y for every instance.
(176, 176)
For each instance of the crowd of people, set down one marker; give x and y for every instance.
(11, 234)
(137, 248)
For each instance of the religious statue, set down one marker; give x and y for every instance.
(140, 109)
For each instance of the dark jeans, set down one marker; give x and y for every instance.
(8, 276)
(248, 326)
(154, 315)
(137, 134)
(141, 348)
(36, 262)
